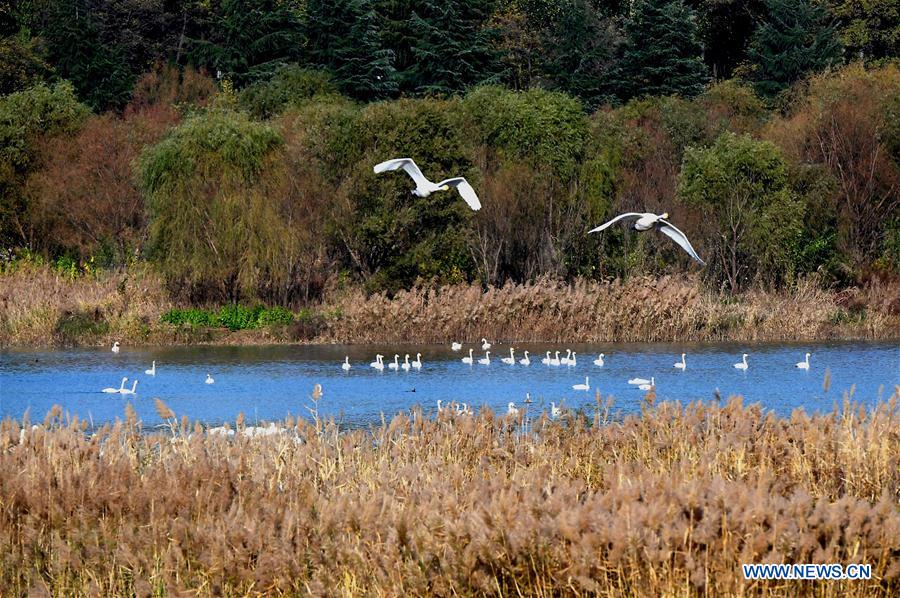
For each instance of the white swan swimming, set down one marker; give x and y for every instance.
(132, 391)
(405, 365)
(454, 346)
(638, 381)
(546, 360)
(649, 386)
(585, 386)
(486, 360)
(424, 187)
(804, 365)
(395, 365)
(417, 364)
(525, 360)
(209, 379)
(111, 390)
(378, 364)
(554, 410)
(115, 347)
(646, 221)
(565, 360)
(152, 370)
(681, 365)
(599, 361)
(346, 365)
(555, 361)
(511, 409)
(463, 410)
(511, 360)
(572, 362)
(743, 364)
(485, 345)
(468, 360)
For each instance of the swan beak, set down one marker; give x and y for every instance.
(445, 188)
(665, 215)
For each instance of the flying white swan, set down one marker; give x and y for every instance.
(152, 370)
(804, 365)
(454, 346)
(468, 360)
(649, 386)
(554, 410)
(585, 386)
(511, 409)
(572, 362)
(209, 379)
(599, 361)
(111, 390)
(638, 381)
(511, 360)
(743, 364)
(525, 360)
(115, 347)
(346, 365)
(424, 187)
(486, 360)
(646, 221)
(126, 391)
(405, 365)
(395, 365)
(417, 364)
(681, 365)
(485, 345)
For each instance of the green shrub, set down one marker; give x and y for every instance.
(274, 316)
(290, 85)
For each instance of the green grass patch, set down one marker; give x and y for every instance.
(233, 317)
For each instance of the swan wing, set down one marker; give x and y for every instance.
(406, 164)
(679, 237)
(614, 220)
(465, 190)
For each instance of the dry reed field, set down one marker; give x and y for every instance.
(39, 307)
(670, 502)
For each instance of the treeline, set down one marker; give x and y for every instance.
(244, 173)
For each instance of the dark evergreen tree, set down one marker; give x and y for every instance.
(796, 38)
(662, 54)
(725, 27)
(251, 39)
(343, 37)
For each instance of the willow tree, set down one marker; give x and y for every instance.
(224, 212)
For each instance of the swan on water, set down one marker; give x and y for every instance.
(405, 365)
(511, 360)
(804, 365)
(346, 365)
(152, 370)
(565, 360)
(555, 360)
(378, 364)
(681, 365)
(395, 365)
(546, 360)
(743, 364)
(424, 187)
(646, 221)
(511, 409)
(485, 345)
(111, 390)
(572, 362)
(585, 386)
(468, 360)
(454, 346)
(209, 379)
(554, 410)
(599, 361)
(132, 391)
(463, 410)
(649, 386)
(417, 364)
(638, 381)
(115, 347)
(525, 360)
(486, 360)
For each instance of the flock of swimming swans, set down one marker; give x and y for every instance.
(122, 390)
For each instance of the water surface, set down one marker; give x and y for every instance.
(271, 382)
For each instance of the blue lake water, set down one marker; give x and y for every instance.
(271, 382)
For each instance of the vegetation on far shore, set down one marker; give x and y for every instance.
(668, 502)
(41, 306)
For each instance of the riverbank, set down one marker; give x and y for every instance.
(669, 502)
(41, 307)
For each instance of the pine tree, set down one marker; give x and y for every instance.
(343, 37)
(797, 38)
(662, 54)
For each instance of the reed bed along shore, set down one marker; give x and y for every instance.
(670, 502)
(40, 307)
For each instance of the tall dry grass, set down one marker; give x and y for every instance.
(669, 502)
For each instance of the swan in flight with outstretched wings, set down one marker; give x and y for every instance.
(646, 221)
(424, 187)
